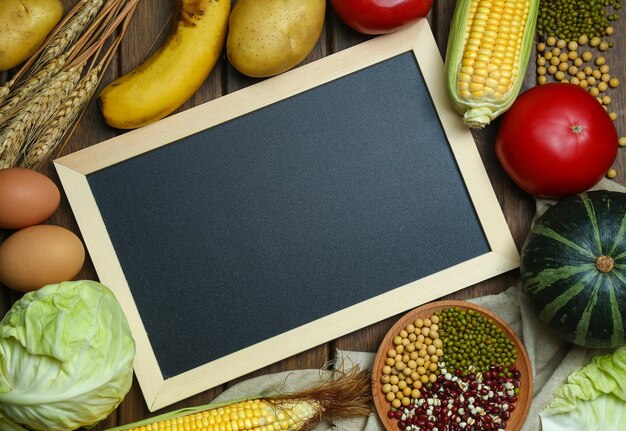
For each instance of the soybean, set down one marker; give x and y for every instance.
(612, 173)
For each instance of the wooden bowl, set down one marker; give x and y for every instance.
(522, 406)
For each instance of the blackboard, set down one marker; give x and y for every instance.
(260, 228)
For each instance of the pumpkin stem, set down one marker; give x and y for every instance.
(604, 263)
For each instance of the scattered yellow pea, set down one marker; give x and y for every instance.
(614, 83)
(612, 173)
(561, 43)
(551, 40)
(622, 141)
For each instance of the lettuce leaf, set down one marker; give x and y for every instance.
(594, 397)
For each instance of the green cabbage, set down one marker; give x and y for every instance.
(66, 357)
(594, 397)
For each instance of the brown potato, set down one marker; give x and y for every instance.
(24, 25)
(268, 37)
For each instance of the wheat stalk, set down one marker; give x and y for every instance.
(14, 133)
(41, 146)
(47, 97)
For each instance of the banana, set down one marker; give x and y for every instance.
(170, 76)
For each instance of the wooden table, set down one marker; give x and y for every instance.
(146, 32)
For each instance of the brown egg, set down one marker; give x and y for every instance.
(27, 198)
(39, 255)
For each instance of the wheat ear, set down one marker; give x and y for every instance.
(54, 131)
(31, 84)
(14, 132)
(5, 89)
(70, 31)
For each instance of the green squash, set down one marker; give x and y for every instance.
(574, 268)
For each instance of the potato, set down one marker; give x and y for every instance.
(24, 25)
(268, 37)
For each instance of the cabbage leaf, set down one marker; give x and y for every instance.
(594, 397)
(66, 357)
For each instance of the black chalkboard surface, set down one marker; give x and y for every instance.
(235, 236)
(288, 214)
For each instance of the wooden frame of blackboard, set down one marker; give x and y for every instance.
(418, 39)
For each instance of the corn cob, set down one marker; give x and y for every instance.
(347, 396)
(488, 51)
(261, 415)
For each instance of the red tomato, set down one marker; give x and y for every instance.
(380, 16)
(556, 140)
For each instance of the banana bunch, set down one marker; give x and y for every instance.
(174, 72)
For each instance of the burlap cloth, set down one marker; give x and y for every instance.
(552, 359)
